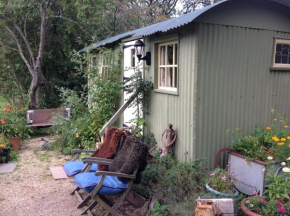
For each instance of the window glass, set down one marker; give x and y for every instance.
(282, 53)
(167, 68)
(170, 54)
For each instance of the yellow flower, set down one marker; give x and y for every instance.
(3, 145)
(275, 119)
(77, 135)
(288, 137)
(289, 145)
(280, 143)
(268, 128)
(283, 139)
(288, 158)
(263, 169)
(286, 126)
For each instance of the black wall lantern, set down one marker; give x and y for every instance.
(139, 50)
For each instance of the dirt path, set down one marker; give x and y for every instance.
(30, 190)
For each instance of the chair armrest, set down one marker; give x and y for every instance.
(102, 161)
(98, 173)
(75, 151)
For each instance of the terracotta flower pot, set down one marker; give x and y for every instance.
(247, 211)
(15, 143)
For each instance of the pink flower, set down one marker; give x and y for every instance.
(279, 204)
(4, 110)
(20, 108)
(248, 201)
(255, 192)
(257, 208)
(260, 200)
(3, 121)
(224, 178)
(288, 204)
(265, 202)
(281, 210)
(212, 174)
(251, 205)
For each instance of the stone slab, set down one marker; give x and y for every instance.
(7, 167)
(58, 173)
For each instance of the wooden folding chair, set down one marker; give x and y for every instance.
(125, 168)
(103, 199)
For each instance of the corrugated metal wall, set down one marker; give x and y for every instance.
(235, 87)
(176, 109)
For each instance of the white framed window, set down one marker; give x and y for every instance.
(281, 53)
(168, 65)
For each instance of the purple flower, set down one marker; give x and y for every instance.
(224, 178)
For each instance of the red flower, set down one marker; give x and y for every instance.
(3, 121)
(4, 110)
(278, 204)
(281, 210)
(20, 108)
(265, 202)
(10, 108)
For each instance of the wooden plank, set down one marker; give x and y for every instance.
(58, 173)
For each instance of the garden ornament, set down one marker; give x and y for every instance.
(46, 144)
(170, 137)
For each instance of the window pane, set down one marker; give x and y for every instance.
(170, 54)
(176, 53)
(285, 54)
(162, 76)
(170, 77)
(175, 77)
(94, 60)
(162, 55)
(132, 57)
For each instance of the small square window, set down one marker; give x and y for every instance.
(282, 53)
(167, 65)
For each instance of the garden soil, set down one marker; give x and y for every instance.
(31, 190)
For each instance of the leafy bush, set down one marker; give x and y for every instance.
(176, 182)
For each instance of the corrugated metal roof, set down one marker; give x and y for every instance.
(165, 25)
(157, 27)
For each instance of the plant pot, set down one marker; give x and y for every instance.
(15, 143)
(6, 154)
(247, 211)
(236, 193)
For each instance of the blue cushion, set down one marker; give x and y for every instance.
(111, 185)
(73, 167)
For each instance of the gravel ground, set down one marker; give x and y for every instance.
(30, 190)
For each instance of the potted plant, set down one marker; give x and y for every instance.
(221, 183)
(14, 127)
(5, 148)
(250, 164)
(276, 199)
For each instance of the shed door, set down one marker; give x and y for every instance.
(131, 65)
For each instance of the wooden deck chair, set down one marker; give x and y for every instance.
(125, 168)
(107, 185)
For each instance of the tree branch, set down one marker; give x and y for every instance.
(20, 50)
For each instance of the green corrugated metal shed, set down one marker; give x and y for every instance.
(225, 78)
